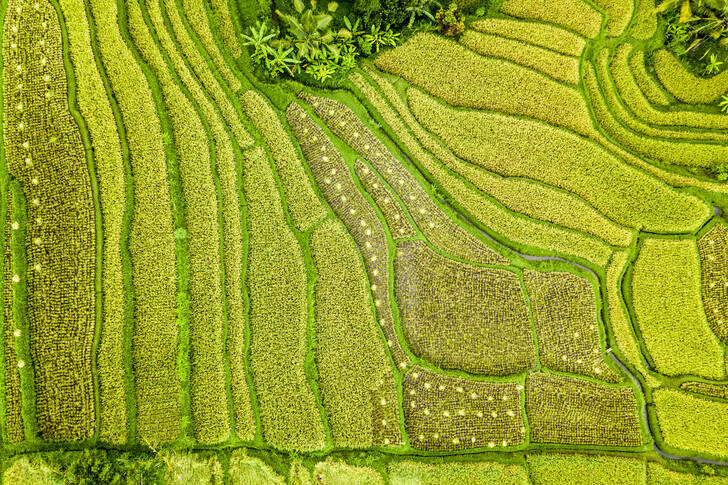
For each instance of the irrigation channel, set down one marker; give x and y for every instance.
(717, 211)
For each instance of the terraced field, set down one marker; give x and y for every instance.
(500, 257)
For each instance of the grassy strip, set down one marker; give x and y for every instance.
(619, 14)
(560, 67)
(432, 221)
(333, 178)
(619, 320)
(656, 143)
(630, 88)
(222, 15)
(456, 473)
(356, 380)
(685, 86)
(445, 413)
(660, 475)
(460, 316)
(713, 249)
(552, 469)
(645, 20)
(277, 286)
(196, 14)
(565, 410)
(691, 423)
(565, 314)
(525, 233)
(395, 217)
(521, 147)
(95, 105)
(226, 151)
(46, 154)
(209, 403)
(152, 245)
(667, 304)
(171, 21)
(13, 423)
(542, 35)
(575, 15)
(462, 77)
(707, 389)
(650, 88)
(337, 472)
(303, 204)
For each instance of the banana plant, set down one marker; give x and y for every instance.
(422, 8)
(707, 19)
(309, 31)
(280, 60)
(259, 39)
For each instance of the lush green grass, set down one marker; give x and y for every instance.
(667, 303)
(713, 250)
(684, 85)
(690, 423)
(355, 375)
(45, 153)
(460, 316)
(575, 15)
(277, 283)
(542, 35)
(552, 469)
(456, 473)
(517, 147)
(565, 410)
(303, 204)
(565, 315)
(152, 244)
(560, 67)
(94, 104)
(335, 473)
(445, 413)
(395, 217)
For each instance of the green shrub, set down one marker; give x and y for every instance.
(450, 21)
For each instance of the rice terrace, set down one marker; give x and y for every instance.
(364, 242)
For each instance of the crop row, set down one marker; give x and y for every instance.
(644, 22)
(94, 104)
(226, 151)
(303, 204)
(522, 230)
(618, 13)
(519, 147)
(535, 33)
(575, 15)
(713, 250)
(394, 215)
(445, 413)
(432, 221)
(355, 375)
(11, 332)
(651, 89)
(337, 185)
(277, 283)
(565, 315)
(655, 143)
(460, 316)
(559, 66)
(622, 70)
(667, 304)
(689, 422)
(223, 16)
(45, 154)
(685, 86)
(707, 389)
(565, 410)
(207, 322)
(173, 26)
(464, 78)
(550, 469)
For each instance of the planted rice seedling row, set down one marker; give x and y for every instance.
(575, 15)
(539, 34)
(45, 154)
(355, 375)
(713, 251)
(432, 221)
(337, 185)
(444, 413)
(13, 424)
(460, 316)
(651, 89)
(685, 86)
(707, 389)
